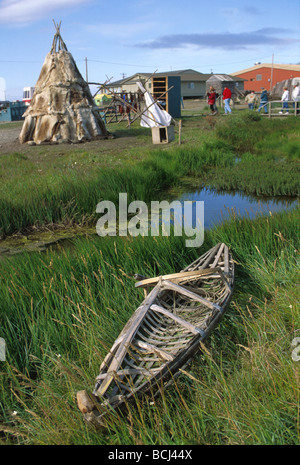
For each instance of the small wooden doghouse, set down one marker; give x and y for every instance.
(163, 134)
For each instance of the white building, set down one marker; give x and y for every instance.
(2, 89)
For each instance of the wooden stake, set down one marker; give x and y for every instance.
(179, 138)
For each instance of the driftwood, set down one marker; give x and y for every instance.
(120, 101)
(156, 101)
(163, 334)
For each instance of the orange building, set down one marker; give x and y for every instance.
(266, 75)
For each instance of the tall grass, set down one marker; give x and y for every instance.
(259, 177)
(248, 130)
(66, 190)
(72, 197)
(269, 156)
(63, 310)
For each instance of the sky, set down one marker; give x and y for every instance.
(115, 39)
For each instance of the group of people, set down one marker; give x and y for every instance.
(212, 96)
(251, 99)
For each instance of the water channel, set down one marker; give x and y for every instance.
(218, 206)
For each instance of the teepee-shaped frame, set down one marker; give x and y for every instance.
(62, 108)
(58, 44)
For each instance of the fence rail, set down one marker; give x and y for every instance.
(273, 109)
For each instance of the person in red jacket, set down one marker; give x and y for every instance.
(211, 99)
(226, 98)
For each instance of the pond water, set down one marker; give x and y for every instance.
(193, 209)
(220, 205)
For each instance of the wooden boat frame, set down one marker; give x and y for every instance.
(163, 334)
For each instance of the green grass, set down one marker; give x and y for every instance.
(50, 186)
(65, 308)
(62, 309)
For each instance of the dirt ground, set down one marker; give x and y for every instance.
(129, 138)
(9, 141)
(9, 137)
(9, 134)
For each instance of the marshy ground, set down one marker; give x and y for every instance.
(62, 308)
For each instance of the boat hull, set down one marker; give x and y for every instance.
(178, 314)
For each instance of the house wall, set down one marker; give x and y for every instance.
(192, 89)
(189, 89)
(130, 87)
(13, 112)
(220, 85)
(254, 83)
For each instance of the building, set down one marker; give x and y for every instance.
(12, 111)
(220, 81)
(266, 75)
(27, 94)
(2, 88)
(193, 83)
(278, 89)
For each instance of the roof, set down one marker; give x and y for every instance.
(225, 77)
(185, 74)
(268, 65)
(135, 77)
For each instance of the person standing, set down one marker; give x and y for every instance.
(211, 98)
(226, 98)
(251, 100)
(285, 98)
(263, 100)
(296, 97)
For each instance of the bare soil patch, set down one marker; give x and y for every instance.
(123, 137)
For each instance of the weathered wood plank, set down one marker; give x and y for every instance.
(178, 320)
(204, 259)
(216, 260)
(152, 349)
(132, 325)
(184, 275)
(181, 290)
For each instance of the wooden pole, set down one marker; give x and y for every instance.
(155, 101)
(271, 80)
(86, 70)
(179, 137)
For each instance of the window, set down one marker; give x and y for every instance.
(258, 77)
(191, 85)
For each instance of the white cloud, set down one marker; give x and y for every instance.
(24, 11)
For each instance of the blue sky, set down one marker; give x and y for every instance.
(120, 37)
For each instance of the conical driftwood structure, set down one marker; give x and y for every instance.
(62, 107)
